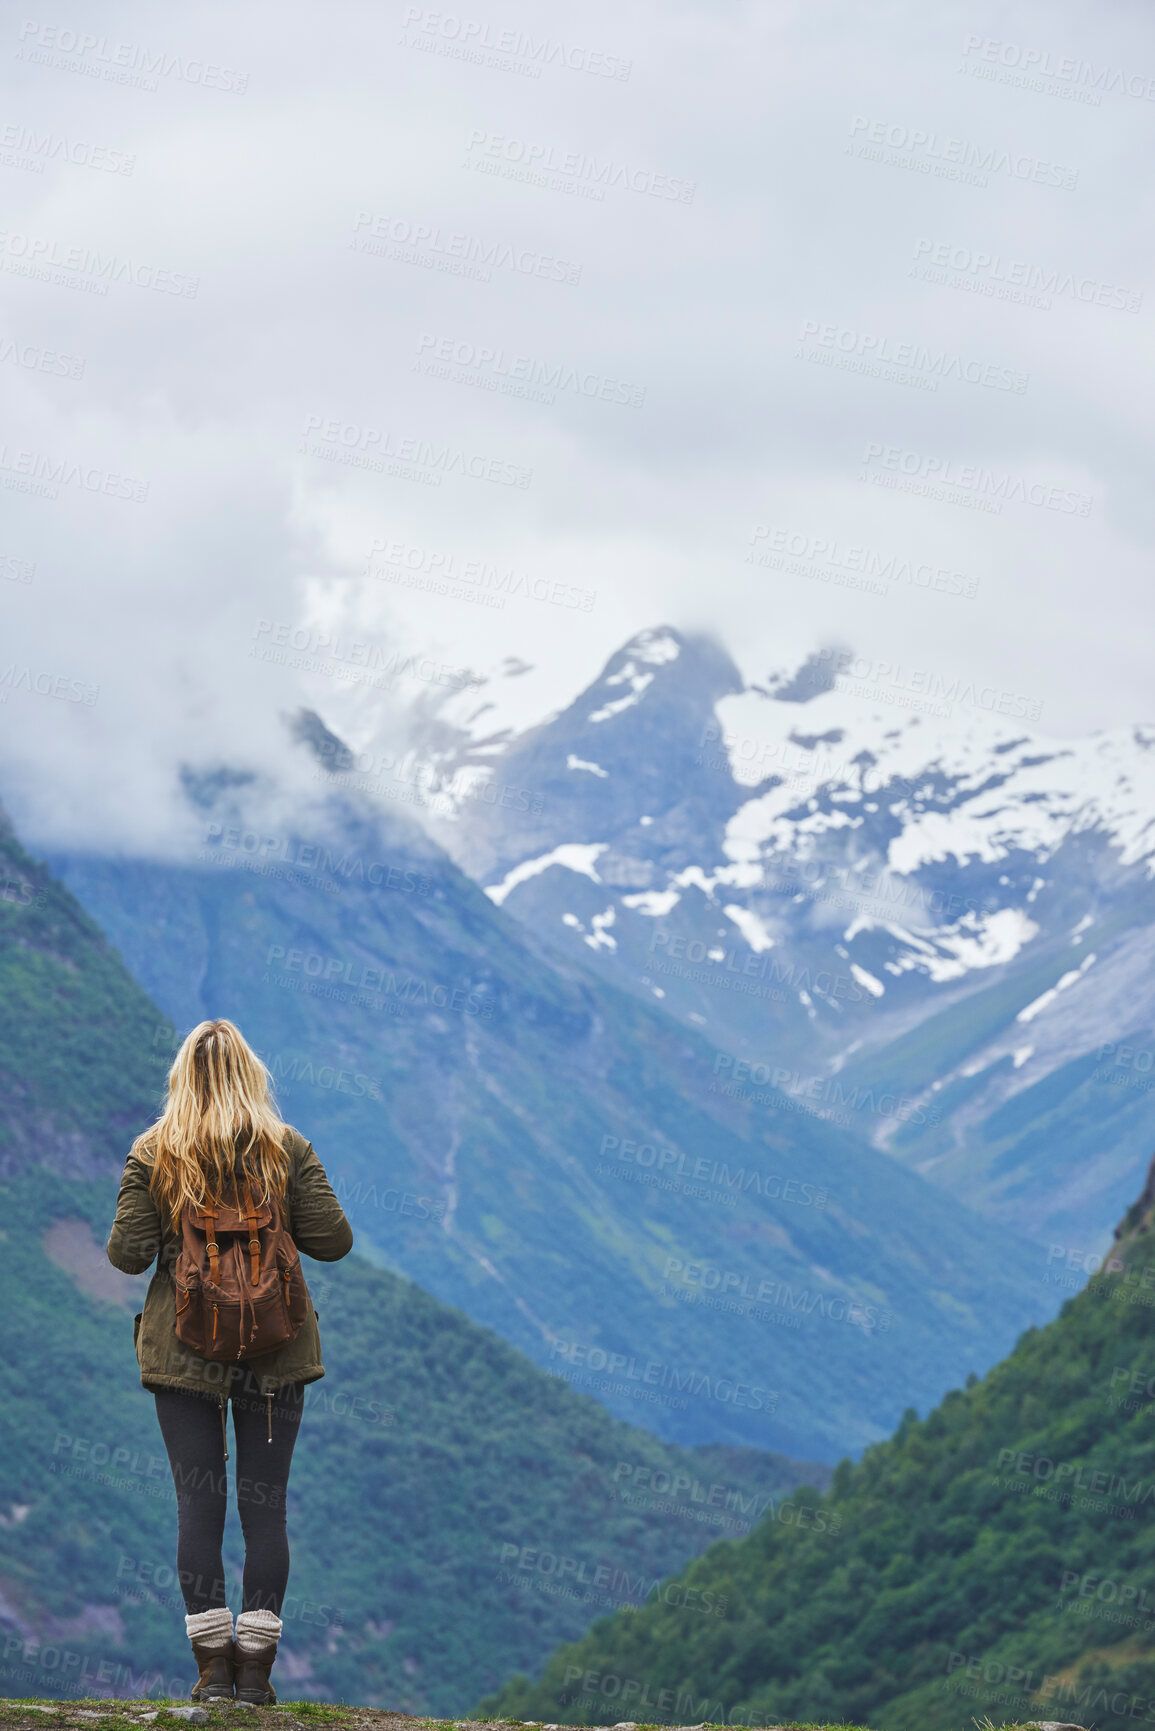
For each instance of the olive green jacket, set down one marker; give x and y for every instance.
(318, 1227)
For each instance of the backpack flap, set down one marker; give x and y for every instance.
(229, 1219)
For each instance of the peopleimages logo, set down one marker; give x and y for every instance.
(478, 40)
(824, 983)
(318, 651)
(994, 487)
(827, 1091)
(674, 1163)
(44, 474)
(654, 1374)
(1036, 64)
(335, 973)
(234, 840)
(914, 687)
(1107, 1591)
(117, 62)
(951, 158)
(455, 251)
(36, 148)
(43, 684)
(992, 272)
(858, 560)
(492, 369)
(30, 254)
(1077, 1475)
(445, 568)
(622, 1587)
(533, 160)
(39, 360)
(380, 451)
(876, 351)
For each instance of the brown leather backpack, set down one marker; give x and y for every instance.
(240, 1291)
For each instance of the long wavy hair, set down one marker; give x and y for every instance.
(220, 1106)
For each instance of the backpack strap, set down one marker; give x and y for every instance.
(250, 1212)
(211, 1243)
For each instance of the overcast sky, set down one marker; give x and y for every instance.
(302, 282)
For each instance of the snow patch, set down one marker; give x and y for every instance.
(980, 941)
(576, 856)
(1045, 998)
(1046, 791)
(763, 822)
(644, 649)
(573, 762)
(751, 927)
(599, 938)
(657, 648)
(868, 980)
(619, 703)
(653, 903)
(696, 876)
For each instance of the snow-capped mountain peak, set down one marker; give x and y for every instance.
(811, 871)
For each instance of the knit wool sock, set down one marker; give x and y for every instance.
(257, 1629)
(214, 1628)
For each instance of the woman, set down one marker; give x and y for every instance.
(219, 1157)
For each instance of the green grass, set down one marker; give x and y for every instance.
(116, 1717)
(318, 1712)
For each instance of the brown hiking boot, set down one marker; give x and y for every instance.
(252, 1676)
(216, 1666)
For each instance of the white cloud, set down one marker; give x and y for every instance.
(296, 342)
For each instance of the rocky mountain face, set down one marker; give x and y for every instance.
(555, 1154)
(896, 901)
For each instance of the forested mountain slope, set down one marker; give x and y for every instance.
(995, 1558)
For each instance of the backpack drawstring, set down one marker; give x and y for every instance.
(269, 1400)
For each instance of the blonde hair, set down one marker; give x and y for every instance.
(220, 1105)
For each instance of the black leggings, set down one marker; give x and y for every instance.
(194, 1435)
